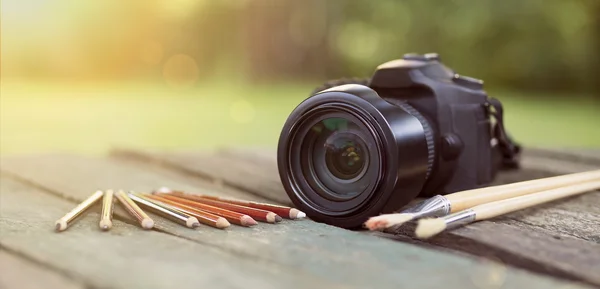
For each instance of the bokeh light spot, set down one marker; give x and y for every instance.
(242, 111)
(152, 52)
(180, 71)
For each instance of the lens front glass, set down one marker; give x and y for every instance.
(345, 153)
(337, 156)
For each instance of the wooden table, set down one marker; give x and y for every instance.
(551, 246)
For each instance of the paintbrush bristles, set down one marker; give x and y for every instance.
(388, 220)
(427, 228)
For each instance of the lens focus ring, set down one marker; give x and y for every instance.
(429, 137)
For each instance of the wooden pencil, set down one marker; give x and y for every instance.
(64, 222)
(283, 211)
(257, 214)
(429, 227)
(135, 211)
(107, 211)
(202, 216)
(166, 211)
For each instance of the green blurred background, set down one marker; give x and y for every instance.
(84, 76)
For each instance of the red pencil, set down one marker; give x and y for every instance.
(257, 214)
(231, 216)
(203, 217)
(286, 212)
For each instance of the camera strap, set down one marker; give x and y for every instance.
(510, 150)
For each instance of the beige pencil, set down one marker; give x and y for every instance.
(64, 222)
(135, 211)
(166, 211)
(429, 227)
(107, 211)
(443, 205)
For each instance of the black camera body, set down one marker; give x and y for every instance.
(416, 128)
(456, 109)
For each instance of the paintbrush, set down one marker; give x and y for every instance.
(439, 205)
(427, 228)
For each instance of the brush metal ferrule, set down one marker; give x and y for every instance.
(436, 206)
(459, 219)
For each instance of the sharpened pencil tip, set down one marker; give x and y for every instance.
(248, 221)
(427, 228)
(164, 190)
(105, 224)
(147, 223)
(192, 222)
(61, 225)
(222, 223)
(278, 219)
(300, 215)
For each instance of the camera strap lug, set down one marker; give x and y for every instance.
(510, 150)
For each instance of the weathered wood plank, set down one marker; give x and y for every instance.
(125, 256)
(253, 177)
(314, 251)
(548, 222)
(16, 272)
(582, 156)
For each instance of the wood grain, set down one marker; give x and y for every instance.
(256, 178)
(126, 256)
(556, 226)
(314, 252)
(18, 272)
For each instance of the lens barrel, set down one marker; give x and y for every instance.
(346, 154)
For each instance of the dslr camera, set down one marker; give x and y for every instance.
(359, 148)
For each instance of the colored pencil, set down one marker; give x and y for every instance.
(135, 211)
(64, 222)
(257, 214)
(202, 216)
(283, 211)
(166, 211)
(107, 211)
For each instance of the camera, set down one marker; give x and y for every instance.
(359, 148)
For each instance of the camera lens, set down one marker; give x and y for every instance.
(346, 154)
(336, 155)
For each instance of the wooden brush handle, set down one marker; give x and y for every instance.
(498, 208)
(467, 199)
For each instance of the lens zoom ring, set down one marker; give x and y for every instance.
(429, 138)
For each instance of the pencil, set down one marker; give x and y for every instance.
(202, 216)
(427, 228)
(283, 211)
(438, 206)
(166, 211)
(257, 214)
(64, 222)
(135, 211)
(107, 211)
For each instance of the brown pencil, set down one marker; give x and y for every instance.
(166, 211)
(64, 222)
(257, 214)
(231, 216)
(135, 211)
(107, 211)
(283, 211)
(202, 216)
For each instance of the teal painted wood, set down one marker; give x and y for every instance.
(314, 252)
(548, 239)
